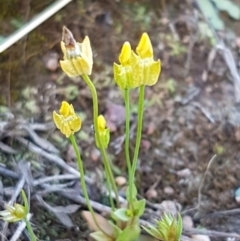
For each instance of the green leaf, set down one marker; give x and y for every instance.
(100, 236)
(122, 214)
(25, 201)
(139, 207)
(115, 228)
(231, 8)
(130, 233)
(179, 226)
(134, 192)
(211, 13)
(152, 231)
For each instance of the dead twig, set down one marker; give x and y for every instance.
(204, 111)
(193, 40)
(51, 157)
(201, 187)
(81, 200)
(210, 233)
(228, 58)
(54, 178)
(20, 229)
(8, 173)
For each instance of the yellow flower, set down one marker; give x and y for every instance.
(13, 213)
(123, 72)
(137, 69)
(146, 70)
(104, 132)
(67, 121)
(77, 59)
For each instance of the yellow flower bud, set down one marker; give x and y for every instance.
(101, 123)
(77, 57)
(144, 48)
(13, 213)
(125, 55)
(67, 121)
(104, 132)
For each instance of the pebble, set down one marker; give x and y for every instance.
(187, 222)
(151, 193)
(200, 237)
(168, 190)
(120, 181)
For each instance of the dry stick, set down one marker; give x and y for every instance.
(8, 191)
(55, 159)
(201, 186)
(81, 200)
(219, 213)
(211, 233)
(54, 178)
(204, 112)
(193, 40)
(20, 229)
(228, 58)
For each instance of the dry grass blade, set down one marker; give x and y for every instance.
(51, 157)
(60, 212)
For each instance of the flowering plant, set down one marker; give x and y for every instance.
(136, 70)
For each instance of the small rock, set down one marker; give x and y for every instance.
(238, 42)
(95, 155)
(187, 222)
(184, 172)
(181, 120)
(120, 181)
(115, 116)
(151, 128)
(50, 61)
(168, 190)
(151, 193)
(170, 206)
(200, 237)
(145, 144)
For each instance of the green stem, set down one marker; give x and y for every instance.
(127, 126)
(109, 190)
(138, 140)
(29, 228)
(82, 180)
(102, 150)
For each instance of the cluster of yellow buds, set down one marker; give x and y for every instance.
(77, 59)
(137, 69)
(67, 121)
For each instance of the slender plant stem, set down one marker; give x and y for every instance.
(102, 150)
(29, 228)
(82, 181)
(138, 140)
(127, 126)
(109, 190)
